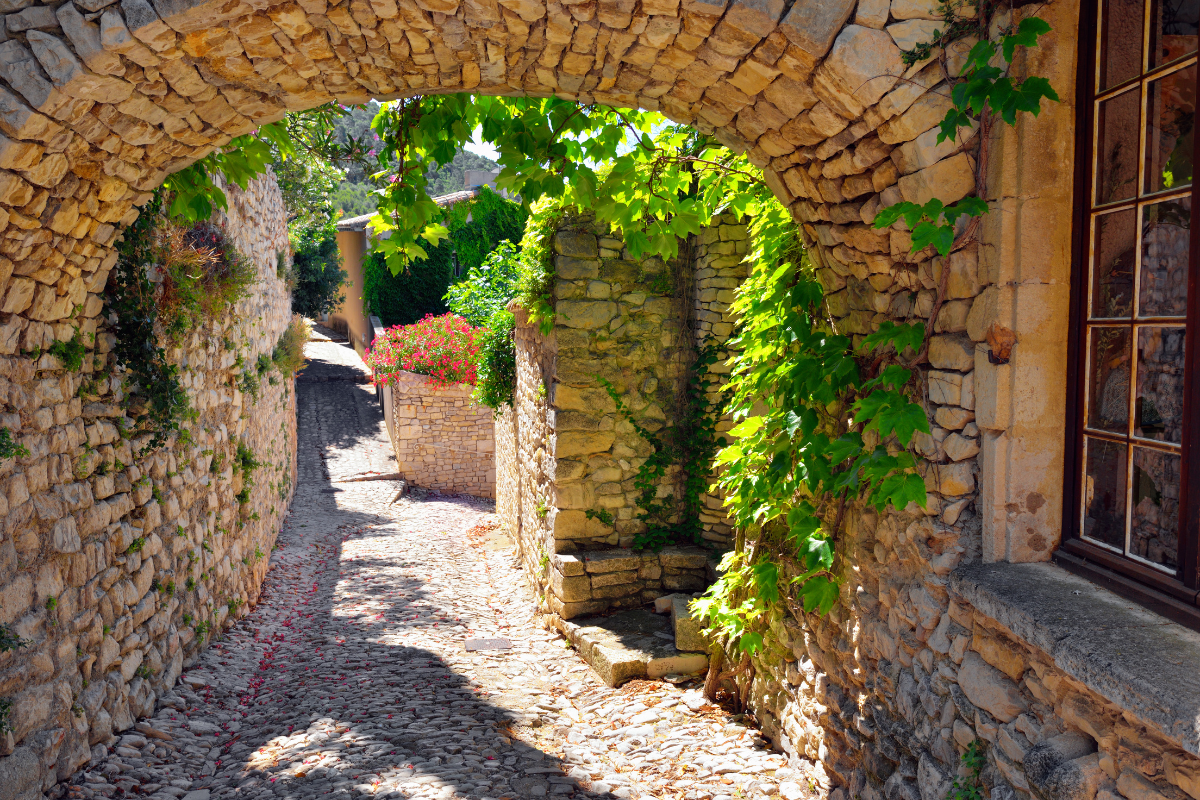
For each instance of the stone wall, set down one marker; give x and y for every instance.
(636, 323)
(116, 566)
(442, 439)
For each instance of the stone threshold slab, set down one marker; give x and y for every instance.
(628, 645)
(1142, 662)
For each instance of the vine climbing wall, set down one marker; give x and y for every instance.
(118, 565)
(567, 460)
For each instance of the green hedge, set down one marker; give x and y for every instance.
(476, 228)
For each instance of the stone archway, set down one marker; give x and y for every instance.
(102, 100)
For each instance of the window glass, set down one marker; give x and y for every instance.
(1171, 116)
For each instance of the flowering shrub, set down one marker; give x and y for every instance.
(445, 348)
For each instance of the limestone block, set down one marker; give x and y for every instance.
(577, 244)
(579, 443)
(586, 314)
(913, 32)
(960, 448)
(574, 589)
(1135, 787)
(924, 151)
(1041, 761)
(570, 268)
(952, 419)
(611, 561)
(862, 67)
(951, 352)
(949, 181)
(989, 689)
(811, 25)
(963, 281)
(85, 36)
(872, 13)
(926, 9)
(689, 635)
(945, 388)
(70, 76)
(923, 115)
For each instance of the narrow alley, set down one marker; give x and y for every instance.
(350, 677)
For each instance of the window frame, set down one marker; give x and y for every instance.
(1175, 596)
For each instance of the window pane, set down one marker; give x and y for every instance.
(1120, 42)
(1113, 263)
(1117, 147)
(1172, 30)
(1159, 401)
(1104, 492)
(1108, 380)
(1165, 243)
(1171, 113)
(1155, 533)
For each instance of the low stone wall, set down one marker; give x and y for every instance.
(592, 582)
(443, 440)
(116, 565)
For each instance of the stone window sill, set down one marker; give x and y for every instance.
(1142, 662)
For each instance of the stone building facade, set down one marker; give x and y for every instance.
(442, 439)
(117, 566)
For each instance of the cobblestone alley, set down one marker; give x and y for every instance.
(350, 677)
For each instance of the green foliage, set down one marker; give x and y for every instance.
(130, 302)
(316, 268)
(474, 229)
(968, 787)
(9, 641)
(136, 545)
(351, 199)
(9, 448)
(982, 91)
(496, 371)
(488, 287)
(288, 355)
(70, 352)
(245, 462)
(195, 194)
(601, 515)
(6, 707)
(51, 604)
(815, 430)
(204, 276)
(409, 297)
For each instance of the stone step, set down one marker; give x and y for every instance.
(630, 644)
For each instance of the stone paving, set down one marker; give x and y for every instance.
(351, 679)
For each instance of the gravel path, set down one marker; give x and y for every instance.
(350, 678)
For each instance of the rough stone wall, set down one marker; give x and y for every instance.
(718, 268)
(443, 440)
(525, 512)
(636, 323)
(116, 567)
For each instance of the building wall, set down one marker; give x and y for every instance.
(89, 554)
(349, 317)
(443, 440)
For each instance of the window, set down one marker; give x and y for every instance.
(1135, 420)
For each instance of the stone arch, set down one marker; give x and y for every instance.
(101, 99)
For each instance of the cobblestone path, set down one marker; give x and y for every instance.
(350, 677)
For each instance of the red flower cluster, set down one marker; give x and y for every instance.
(445, 348)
